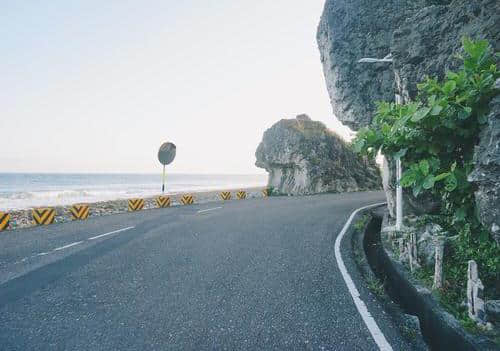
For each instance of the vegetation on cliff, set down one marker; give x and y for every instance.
(435, 136)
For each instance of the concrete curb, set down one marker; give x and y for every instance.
(359, 246)
(440, 329)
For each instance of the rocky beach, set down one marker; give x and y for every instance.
(23, 218)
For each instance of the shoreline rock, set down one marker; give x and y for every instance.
(22, 218)
(303, 157)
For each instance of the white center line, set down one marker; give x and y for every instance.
(74, 244)
(113, 232)
(66, 246)
(209, 209)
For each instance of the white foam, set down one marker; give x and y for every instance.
(60, 195)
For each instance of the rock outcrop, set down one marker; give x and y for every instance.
(486, 173)
(304, 157)
(423, 37)
(427, 42)
(348, 31)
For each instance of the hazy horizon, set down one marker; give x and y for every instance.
(134, 173)
(93, 87)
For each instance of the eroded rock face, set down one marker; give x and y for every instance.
(426, 43)
(423, 37)
(348, 31)
(304, 157)
(486, 173)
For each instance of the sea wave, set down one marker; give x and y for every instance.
(17, 200)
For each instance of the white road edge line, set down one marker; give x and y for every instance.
(66, 246)
(209, 209)
(113, 232)
(372, 326)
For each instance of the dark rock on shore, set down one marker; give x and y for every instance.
(304, 157)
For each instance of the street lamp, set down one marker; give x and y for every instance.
(399, 189)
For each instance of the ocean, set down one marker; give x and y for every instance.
(25, 190)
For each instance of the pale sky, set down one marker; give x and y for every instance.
(97, 86)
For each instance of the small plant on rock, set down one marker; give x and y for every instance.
(435, 136)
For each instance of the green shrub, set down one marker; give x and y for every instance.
(435, 137)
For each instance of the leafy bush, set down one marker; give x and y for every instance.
(435, 137)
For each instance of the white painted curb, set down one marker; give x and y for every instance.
(372, 326)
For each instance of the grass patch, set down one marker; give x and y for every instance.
(362, 222)
(376, 286)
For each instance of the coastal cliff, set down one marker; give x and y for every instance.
(423, 37)
(304, 157)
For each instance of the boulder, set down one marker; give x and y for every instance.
(304, 157)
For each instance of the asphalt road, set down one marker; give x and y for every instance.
(258, 274)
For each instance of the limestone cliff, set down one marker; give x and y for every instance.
(304, 157)
(423, 37)
(348, 31)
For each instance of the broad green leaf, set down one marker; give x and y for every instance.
(408, 179)
(421, 113)
(441, 176)
(465, 113)
(416, 190)
(451, 75)
(424, 167)
(428, 182)
(451, 183)
(436, 110)
(449, 86)
(358, 145)
(386, 128)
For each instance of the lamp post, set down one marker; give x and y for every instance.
(399, 189)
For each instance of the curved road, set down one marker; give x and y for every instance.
(258, 274)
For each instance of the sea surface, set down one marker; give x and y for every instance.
(25, 190)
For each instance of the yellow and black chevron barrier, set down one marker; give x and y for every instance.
(265, 192)
(80, 211)
(187, 199)
(225, 195)
(43, 215)
(135, 204)
(4, 220)
(163, 201)
(241, 195)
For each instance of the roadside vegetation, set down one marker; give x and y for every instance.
(435, 137)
